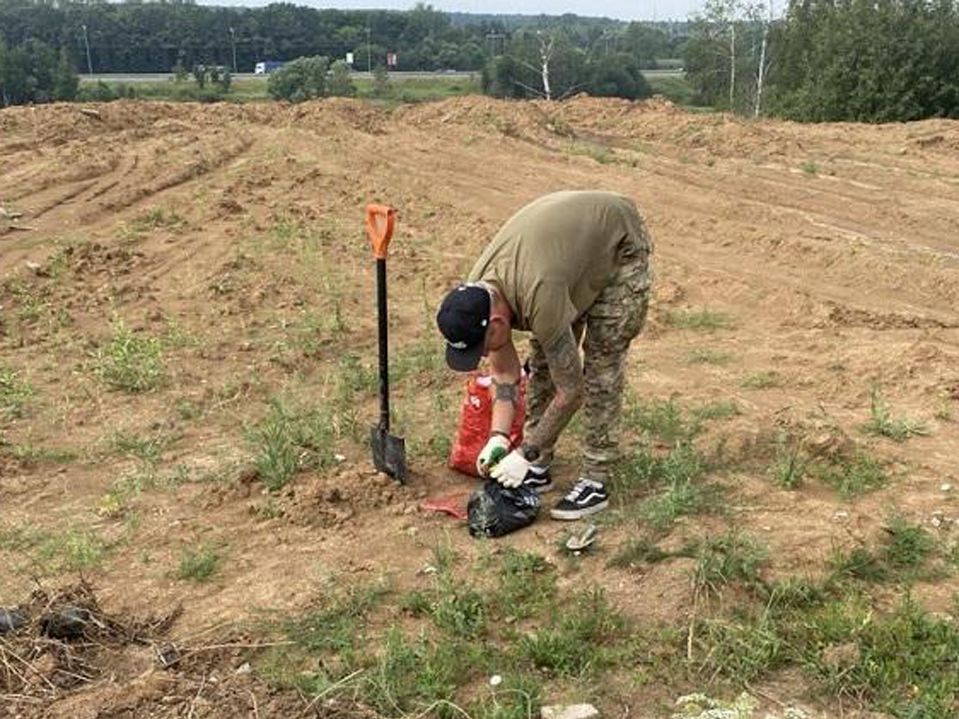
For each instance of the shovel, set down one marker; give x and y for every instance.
(389, 452)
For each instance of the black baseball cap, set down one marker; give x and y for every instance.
(463, 318)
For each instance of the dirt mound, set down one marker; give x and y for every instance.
(336, 114)
(341, 497)
(506, 117)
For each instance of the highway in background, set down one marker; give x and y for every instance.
(398, 76)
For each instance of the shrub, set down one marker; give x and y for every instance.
(617, 75)
(340, 82)
(299, 80)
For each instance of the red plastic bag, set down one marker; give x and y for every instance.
(476, 417)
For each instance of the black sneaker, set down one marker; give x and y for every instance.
(586, 498)
(539, 479)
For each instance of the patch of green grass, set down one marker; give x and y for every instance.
(731, 558)
(638, 550)
(743, 648)
(789, 464)
(444, 556)
(146, 449)
(420, 89)
(302, 336)
(908, 546)
(527, 583)
(643, 469)
(289, 440)
(709, 356)
(50, 551)
(578, 642)
(698, 319)
(31, 454)
(335, 626)
(188, 409)
(720, 410)
(520, 696)
(411, 675)
(460, 610)
(853, 475)
(810, 168)
(857, 563)
(157, 219)
(354, 382)
(795, 593)
(680, 498)
(14, 394)
(678, 473)
(763, 380)
(130, 362)
(902, 662)
(662, 419)
(199, 564)
(883, 424)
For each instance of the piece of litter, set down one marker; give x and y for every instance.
(946, 487)
(495, 680)
(429, 569)
(841, 515)
(453, 505)
(569, 711)
(244, 668)
(339, 457)
(578, 542)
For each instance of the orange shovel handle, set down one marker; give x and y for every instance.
(380, 221)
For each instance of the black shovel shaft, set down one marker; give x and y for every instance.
(384, 353)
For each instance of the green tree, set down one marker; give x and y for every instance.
(340, 83)
(868, 61)
(381, 81)
(4, 81)
(29, 74)
(299, 80)
(65, 79)
(617, 75)
(538, 64)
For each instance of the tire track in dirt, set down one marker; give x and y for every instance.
(201, 163)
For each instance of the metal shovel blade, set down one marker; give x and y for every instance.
(389, 453)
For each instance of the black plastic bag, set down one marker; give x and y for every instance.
(495, 510)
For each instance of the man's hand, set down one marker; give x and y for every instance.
(511, 471)
(496, 448)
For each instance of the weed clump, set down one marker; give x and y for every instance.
(288, 441)
(130, 362)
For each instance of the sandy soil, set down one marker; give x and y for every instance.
(834, 249)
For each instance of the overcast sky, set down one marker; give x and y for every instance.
(621, 9)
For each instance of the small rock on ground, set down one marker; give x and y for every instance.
(569, 711)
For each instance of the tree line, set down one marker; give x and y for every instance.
(822, 60)
(828, 60)
(138, 37)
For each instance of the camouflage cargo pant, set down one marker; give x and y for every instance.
(610, 324)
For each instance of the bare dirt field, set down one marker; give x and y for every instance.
(187, 374)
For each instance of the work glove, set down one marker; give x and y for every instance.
(511, 471)
(496, 448)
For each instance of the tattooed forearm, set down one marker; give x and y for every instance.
(505, 392)
(566, 369)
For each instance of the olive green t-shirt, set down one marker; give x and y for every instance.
(552, 259)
